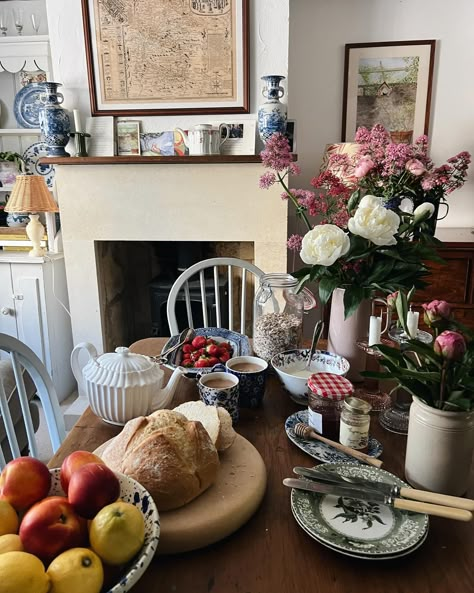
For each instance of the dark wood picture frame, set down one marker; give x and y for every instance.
(240, 105)
(362, 75)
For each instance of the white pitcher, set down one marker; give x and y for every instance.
(203, 139)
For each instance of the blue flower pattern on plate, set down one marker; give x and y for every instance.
(28, 104)
(32, 155)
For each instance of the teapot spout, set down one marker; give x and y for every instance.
(166, 394)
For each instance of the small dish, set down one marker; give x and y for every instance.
(286, 363)
(321, 451)
(134, 493)
(27, 105)
(240, 346)
(31, 157)
(354, 527)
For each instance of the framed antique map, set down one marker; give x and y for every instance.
(157, 57)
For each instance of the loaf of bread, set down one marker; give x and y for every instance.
(215, 419)
(172, 457)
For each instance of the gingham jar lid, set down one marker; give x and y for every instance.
(331, 386)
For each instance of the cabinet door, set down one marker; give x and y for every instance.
(7, 304)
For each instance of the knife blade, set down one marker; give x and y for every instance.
(387, 489)
(374, 496)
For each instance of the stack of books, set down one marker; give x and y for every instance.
(15, 239)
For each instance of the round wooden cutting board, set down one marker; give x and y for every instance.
(222, 508)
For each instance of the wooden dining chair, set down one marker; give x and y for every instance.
(211, 282)
(23, 359)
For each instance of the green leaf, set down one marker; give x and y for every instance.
(353, 296)
(326, 288)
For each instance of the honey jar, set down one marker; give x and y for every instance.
(325, 401)
(355, 422)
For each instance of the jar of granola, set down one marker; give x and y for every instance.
(278, 314)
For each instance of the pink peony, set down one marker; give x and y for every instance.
(450, 345)
(365, 165)
(435, 311)
(415, 167)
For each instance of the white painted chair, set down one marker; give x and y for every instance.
(23, 358)
(247, 271)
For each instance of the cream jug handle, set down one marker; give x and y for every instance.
(221, 128)
(76, 368)
(388, 313)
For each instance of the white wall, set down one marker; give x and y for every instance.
(268, 55)
(319, 30)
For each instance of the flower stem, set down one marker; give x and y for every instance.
(294, 201)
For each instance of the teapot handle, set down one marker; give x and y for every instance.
(76, 368)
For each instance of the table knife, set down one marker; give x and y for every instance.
(368, 495)
(387, 489)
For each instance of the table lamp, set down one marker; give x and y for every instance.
(30, 195)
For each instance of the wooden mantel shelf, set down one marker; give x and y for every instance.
(153, 160)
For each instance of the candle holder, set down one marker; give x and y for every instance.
(80, 142)
(370, 391)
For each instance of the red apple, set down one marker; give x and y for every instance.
(92, 487)
(50, 527)
(24, 481)
(73, 462)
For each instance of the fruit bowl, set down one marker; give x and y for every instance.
(133, 492)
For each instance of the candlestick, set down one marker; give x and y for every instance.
(412, 323)
(375, 328)
(77, 120)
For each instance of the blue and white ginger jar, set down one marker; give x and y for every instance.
(272, 115)
(54, 120)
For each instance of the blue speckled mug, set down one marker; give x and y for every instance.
(252, 373)
(219, 388)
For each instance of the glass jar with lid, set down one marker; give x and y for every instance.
(327, 393)
(355, 422)
(278, 314)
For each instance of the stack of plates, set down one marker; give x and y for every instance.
(356, 528)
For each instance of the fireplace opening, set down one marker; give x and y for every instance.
(135, 278)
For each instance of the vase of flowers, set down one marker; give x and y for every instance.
(440, 378)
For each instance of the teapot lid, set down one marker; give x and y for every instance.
(124, 361)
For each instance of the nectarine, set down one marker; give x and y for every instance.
(72, 463)
(24, 481)
(91, 488)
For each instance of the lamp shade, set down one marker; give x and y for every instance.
(31, 194)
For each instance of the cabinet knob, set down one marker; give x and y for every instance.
(5, 311)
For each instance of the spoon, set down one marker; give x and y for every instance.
(185, 335)
(318, 330)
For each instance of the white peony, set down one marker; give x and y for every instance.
(423, 212)
(374, 222)
(324, 244)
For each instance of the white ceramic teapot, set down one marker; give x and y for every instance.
(122, 385)
(204, 139)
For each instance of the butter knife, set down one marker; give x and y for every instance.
(387, 489)
(374, 496)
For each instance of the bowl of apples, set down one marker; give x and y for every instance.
(84, 522)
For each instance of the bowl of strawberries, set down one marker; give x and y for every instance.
(207, 347)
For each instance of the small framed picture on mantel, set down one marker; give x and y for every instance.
(128, 137)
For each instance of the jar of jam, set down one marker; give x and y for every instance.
(355, 422)
(325, 400)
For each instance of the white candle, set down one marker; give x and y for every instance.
(412, 323)
(375, 328)
(77, 120)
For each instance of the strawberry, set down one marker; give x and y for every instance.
(210, 341)
(225, 346)
(212, 349)
(224, 357)
(199, 342)
(201, 363)
(213, 360)
(188, 348)
(187, 363)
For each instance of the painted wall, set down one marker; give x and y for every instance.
(319, 31)
(268, 55)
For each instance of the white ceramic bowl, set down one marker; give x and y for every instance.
(133, 492)
(287, 364)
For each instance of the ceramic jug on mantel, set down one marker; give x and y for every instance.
(203, 139)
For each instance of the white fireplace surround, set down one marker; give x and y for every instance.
(159, 202)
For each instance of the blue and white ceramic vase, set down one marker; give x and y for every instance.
(272, 114)
(54, 120)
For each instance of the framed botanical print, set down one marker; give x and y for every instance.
(157, 57)
(388, 83)
(128, 137)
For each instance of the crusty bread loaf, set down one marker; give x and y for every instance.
(172, 457)
(215, 419)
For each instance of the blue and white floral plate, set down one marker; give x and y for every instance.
(321, 451)
(134, 493)
(240, 346)
(31, 157)
(27, 105)
(357, 528)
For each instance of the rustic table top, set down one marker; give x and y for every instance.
(271, 553)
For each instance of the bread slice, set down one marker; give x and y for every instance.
(215, 419)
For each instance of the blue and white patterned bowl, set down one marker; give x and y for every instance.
(287, 364)
(133, 492)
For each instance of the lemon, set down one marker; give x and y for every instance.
(117, 532)
(8, 518)
(20, 571)
(78, 570)
(10, 542)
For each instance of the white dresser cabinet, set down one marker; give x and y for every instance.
(32, 294)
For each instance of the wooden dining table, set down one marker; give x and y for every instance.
(271, 553)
